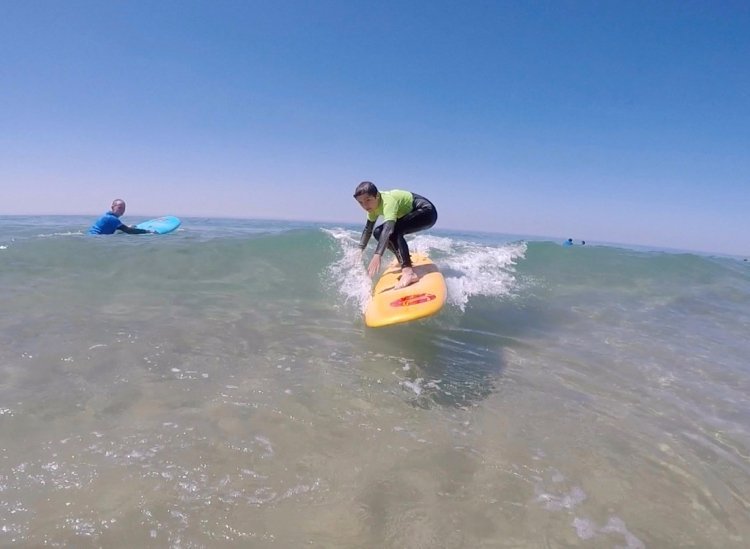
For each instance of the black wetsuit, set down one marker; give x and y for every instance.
(423, 215)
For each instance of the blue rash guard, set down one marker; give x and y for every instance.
(106, 224)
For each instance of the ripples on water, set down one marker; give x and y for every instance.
(217, 387)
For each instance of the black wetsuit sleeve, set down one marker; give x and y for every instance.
(366, 234)
(385, 234)
(132, 230)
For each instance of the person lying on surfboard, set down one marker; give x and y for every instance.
(110, 221)
(403, 213)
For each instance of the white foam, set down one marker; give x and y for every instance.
(470, 269)
(555, 502)
(415, 385)
(587, 529)
(425, 243)
(584, 528)
(265, 445)
(69, 233)
(481, 270)
(348, 274)
(617, 525)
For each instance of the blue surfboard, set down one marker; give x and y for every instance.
(161, 225)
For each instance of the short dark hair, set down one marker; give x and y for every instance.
(366, 187)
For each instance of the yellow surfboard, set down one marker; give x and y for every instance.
(423, 298)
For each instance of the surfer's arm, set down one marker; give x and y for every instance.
(366, 234)
(132, 230)
(385, 234)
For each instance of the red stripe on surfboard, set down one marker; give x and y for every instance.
(412, 299)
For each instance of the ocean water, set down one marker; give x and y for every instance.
(217, 387)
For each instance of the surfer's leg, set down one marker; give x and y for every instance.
(391, 243)
(408, 276)
(398, 243)
(395, 252)
(423, 216)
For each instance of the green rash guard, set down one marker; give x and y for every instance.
(393, 205)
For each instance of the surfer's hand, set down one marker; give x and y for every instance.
(374, 267)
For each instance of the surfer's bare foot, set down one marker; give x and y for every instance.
(408, 277)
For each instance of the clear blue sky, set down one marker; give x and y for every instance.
(605, 121)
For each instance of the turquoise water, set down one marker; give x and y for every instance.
(217, 387)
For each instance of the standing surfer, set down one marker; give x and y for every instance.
(403, 213)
